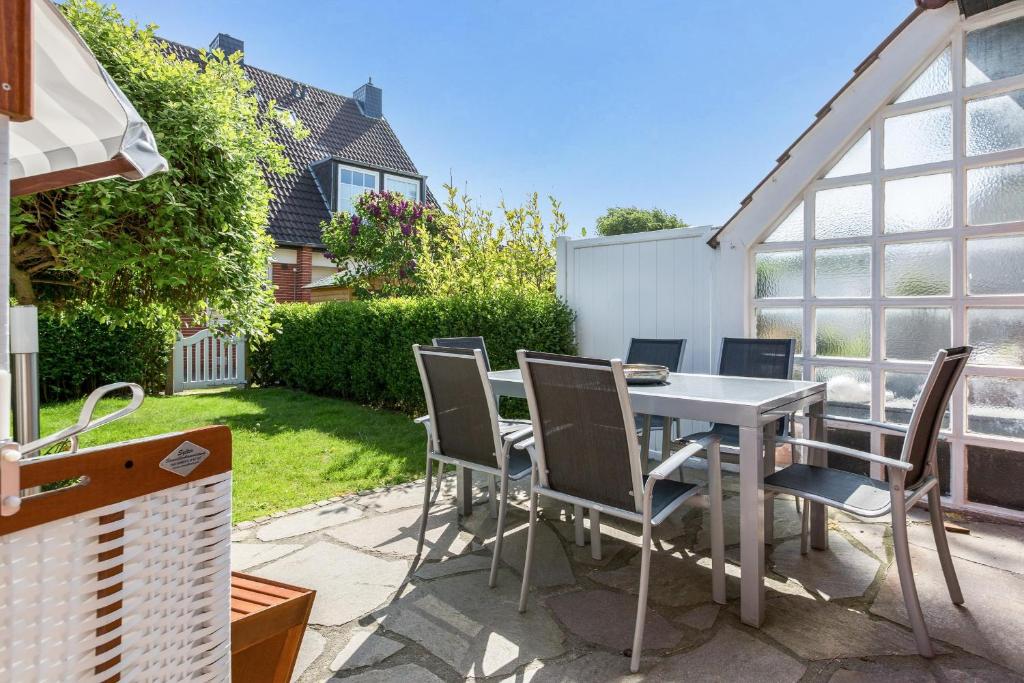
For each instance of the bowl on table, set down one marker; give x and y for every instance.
(640, 374)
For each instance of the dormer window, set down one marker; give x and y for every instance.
(353, 182)
(408, 187)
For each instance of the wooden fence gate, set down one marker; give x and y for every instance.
(207, 360)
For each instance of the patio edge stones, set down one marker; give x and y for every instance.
(389, 638)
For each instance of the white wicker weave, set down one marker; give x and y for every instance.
(174, 591)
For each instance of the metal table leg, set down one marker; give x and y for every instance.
(666, 438)
(816, 456)
(752, 508)
(645, 441)
(769, 468)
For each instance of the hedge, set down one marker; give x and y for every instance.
(362, 350)
(78, 354)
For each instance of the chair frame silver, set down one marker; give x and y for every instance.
(503, 442)
(539, 485)
(901, 498)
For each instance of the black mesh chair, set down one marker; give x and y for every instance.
(667, 352)
(465, 343)
(764, 358)
(473, 343)
(908, 480)
(463, 427)
(586, 453)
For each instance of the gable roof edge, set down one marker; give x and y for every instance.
(942, 19)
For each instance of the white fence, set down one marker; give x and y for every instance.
(655, 284)
(205, 360)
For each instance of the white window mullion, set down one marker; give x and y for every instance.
(958, 403)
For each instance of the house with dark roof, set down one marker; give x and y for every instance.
(351, 148)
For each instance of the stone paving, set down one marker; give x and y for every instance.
(834, 615)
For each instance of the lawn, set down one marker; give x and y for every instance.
(290, 448)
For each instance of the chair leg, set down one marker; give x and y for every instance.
(492, 496)
(717, 524)
(901, 549)
(595, 534)
(942, 546)
(641, 601)
(525, 590)
(645, 441)
(577, 522)
(426, 508)
(499, 533)
(805, 527)
(440, 481)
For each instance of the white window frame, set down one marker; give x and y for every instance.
(388, 177)
(356, 169)
(958, 302)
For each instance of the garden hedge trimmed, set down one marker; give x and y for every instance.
(362, 350)
(78, 354)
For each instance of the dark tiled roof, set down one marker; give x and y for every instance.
(337, 128)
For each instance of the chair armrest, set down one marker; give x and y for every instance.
(423, 419)
(843, 450)
(884, 426)
(524, 444)
(516, 437)
(676, 460)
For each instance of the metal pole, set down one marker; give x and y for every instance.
(5, 276)
(25, 357)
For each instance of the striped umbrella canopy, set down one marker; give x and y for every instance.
(63, 121)
(82, 128)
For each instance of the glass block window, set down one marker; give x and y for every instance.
(923, 202)
(856, 160)
(918, 138)
(791, 229)
(936, 79)
(910, 240)
(842, 272)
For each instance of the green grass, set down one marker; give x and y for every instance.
(290, 448)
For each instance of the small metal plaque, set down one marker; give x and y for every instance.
(185, 458)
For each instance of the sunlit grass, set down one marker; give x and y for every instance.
(290, 448)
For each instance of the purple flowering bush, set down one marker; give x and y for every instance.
(378, 246)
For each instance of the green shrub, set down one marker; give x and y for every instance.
(362, 350)
(78, 354)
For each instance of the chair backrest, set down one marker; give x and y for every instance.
(763, 358)
(926, 420)
(465, 343)
(667, 352)
(460, 402)
(585, 438)
(766, 358)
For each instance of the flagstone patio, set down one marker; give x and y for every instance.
(834, 615)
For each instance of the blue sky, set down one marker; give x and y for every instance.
(680, 105)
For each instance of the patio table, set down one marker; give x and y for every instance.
(753, 405)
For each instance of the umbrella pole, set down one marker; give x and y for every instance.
(5, 277)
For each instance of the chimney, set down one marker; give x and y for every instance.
(229, 45)
(369, 98)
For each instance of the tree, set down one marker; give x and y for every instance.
(183, 242)
(474, 254)
(379, 244)
(620, 220)
(390, 246)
